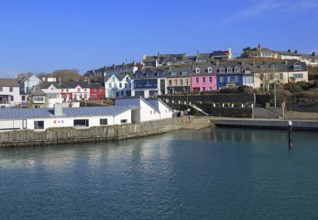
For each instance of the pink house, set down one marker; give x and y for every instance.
(203, 79)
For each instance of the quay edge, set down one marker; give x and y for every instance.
(70, 135)
(281, 124)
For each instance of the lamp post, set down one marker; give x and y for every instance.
(275, 93)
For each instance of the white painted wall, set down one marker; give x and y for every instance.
(59, 122)
(15, 93)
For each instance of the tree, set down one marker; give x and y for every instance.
(247, 52)
(66, 75)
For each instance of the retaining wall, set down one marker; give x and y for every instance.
(70, 135)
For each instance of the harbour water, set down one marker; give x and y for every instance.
(216, 173)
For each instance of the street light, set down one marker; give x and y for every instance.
(275, 93)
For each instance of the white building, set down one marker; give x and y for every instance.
(117, 85)
(9, 93)
(41, 119)
(145, 110)
(28, 82)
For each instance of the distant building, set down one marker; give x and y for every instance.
(9, 93)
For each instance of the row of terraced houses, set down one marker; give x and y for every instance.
(203, 77)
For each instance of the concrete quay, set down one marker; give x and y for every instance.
(265, 123)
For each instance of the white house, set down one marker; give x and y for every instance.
(145, 110)
(9, 93)
(85, 117)
(28, 82)
(117, 85)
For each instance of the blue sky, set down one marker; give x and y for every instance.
(46, 35)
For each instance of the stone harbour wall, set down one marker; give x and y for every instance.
(20, 138)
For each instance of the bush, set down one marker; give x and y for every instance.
(245, 89)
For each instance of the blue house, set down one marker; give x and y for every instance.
(229, 76)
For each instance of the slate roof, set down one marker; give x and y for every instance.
(7, 82)
(65, 85)
(219, 53)
(67, 112)
(38, 92)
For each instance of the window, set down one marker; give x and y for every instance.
(184, 73)
(186, 82)
(222, 70)
(281, 76)
(229, 70)
(12, 98)
(126, 85)
(94, 90)
(236, 78)
(11, 89)
(203, 79)
(127, 79)
(78, 89)
(23, 98)
(120, 85)
(210, 79)
(298, 76)
(110, 85)
(196, 79)
(38, 124)
(123, 121)
(297, 67)
(228, 79)
(100, 90)
(197, 70)
(103, 121)
(170, 82)
(181, 82)
(173, 73)
(81, 123)
(151, 112)
(221, 79)
(237, 69)
(1, 89)
(175, 82)
(209, 70)
(248, 80)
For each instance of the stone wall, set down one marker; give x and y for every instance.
(21, 138)
(216, 98)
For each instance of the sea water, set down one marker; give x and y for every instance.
(216, 173)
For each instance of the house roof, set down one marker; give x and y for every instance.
(155, 103)
(7, 82)
(219, 53)
(67, 112)
(38, 92)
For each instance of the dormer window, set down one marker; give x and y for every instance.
(137, 75)
(222, 70)
(149, 73)
(237, 69)
(184, 73)
(197, 70)
(297, 67)
(209, 70)
(229, 70)
(159, 73)
(173, 73)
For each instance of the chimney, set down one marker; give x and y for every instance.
(158, 55)
(58, 110)
(289, 50)
(144, 56)
(259, 46)
(313, 54)
(229, 55)
(296, 51)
